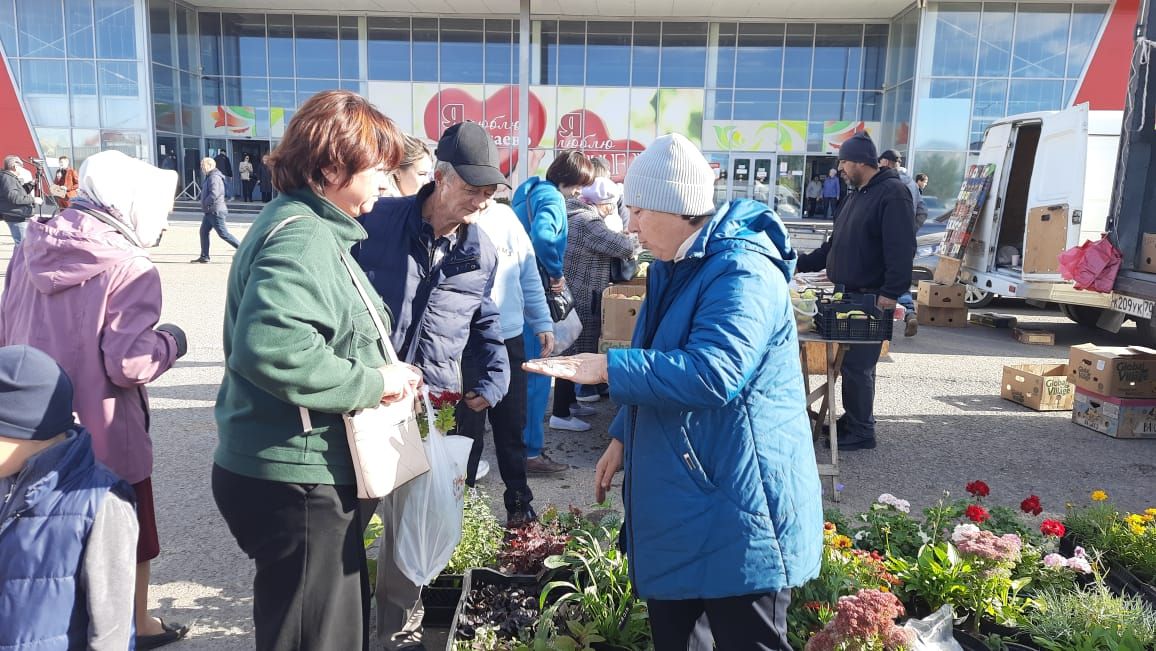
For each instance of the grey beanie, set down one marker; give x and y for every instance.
(670, 176)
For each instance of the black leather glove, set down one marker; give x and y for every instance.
(179, 335)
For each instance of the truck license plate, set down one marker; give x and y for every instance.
(1137, 307)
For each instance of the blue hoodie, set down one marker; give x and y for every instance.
(722, 490)
(542, 210)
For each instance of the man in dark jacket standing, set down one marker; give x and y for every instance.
(226, 168)
(435, 269)
(870, 251)
(16, 202)
(213, 205)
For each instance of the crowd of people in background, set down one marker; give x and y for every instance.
(470, 291)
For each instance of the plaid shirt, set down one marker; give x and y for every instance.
(590, 247)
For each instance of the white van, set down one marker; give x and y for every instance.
(1051, 191)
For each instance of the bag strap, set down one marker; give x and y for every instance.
(386, 345)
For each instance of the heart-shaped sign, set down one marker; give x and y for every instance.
(498, 114)
(585, 131)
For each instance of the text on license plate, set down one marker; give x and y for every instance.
(1133, 306)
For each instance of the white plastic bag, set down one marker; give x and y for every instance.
(427, 512)
(933, 633)
(566, 332)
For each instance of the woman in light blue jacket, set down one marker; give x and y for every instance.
(723, 505)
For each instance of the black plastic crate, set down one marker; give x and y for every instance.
(440, 600)
(477, 577)
(877, 327)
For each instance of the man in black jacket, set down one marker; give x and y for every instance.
(434, 269)
(16, 202)
(870, 251)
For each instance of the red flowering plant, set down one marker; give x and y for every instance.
(844, 571)
(978, 488)
(445, 405)
(1052, 528)
(1032, 505)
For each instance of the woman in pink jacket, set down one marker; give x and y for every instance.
(83, 289)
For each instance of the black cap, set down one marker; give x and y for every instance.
(35, 395)
(892, 156)
(473, 154)
(859, 149)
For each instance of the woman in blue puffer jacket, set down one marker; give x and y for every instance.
(723, 505)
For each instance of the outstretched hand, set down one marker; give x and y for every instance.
(585, 368)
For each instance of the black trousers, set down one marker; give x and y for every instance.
(247, 189)
(565, 397)
(311, 591)
(755, 622)
(507, 418)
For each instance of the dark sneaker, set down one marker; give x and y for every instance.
(544, 465)
(520, 518)
(848, 444)
(911, 327)
(172, 633)
(200, 260)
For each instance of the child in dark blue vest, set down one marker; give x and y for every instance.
(68, 528)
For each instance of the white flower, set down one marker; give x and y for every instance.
(963, 531)
(1080, 553)
(924, 537)
(861, 534)
(1055, 560)
(1079, 565)
(890, 500)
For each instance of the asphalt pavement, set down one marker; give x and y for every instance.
(941, 424)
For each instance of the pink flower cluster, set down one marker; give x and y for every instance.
(1078, 563)
(972, 540)
(862, 619)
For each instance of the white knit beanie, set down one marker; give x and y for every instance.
(671, 176)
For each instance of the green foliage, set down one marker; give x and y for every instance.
(980, 588)
(1127, 539)
(599, 596)
(481, 536)
(889, 530)
(372, 532)
(1091, 619)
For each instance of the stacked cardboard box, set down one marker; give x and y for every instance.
(941, 305)
(1115, 389)
(620, 307)
(1043, 387)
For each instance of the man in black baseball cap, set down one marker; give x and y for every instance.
(434, 269)
(472, 153)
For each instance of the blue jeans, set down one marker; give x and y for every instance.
(215, 222)
(537, 394)
(17, 230)
(908, 304)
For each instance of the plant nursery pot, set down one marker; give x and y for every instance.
(1121, 580)
(479, 577)
(968, 641)
(440, 600)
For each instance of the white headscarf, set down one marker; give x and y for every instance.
(133, 191)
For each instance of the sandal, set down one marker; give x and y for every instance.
(173, 632)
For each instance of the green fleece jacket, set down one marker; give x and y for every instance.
(297, 334)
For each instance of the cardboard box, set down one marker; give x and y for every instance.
(1043, 387)
(1114, 371)
(607, 344)
(1034, 336)
(620, 307)
(947, 317)
(940, 295)
(1147, 261)
(1120, 418)
(947, 270)
(817, 356)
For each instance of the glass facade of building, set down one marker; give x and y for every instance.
(985, 61)
(82, 72)
(765, 100)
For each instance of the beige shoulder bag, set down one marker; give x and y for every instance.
(384, 440)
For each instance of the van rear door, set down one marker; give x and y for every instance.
(996, 149)
(1056, 194)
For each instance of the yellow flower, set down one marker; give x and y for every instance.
(1137, 529)
(1099, 496)
(842, 542)
(1151, 512)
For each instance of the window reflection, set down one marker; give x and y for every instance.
(388, 48)
(1041, 49)
(759, 62)
(500, 52)
(607, 50)
(78, 22)
(350, 57)
(838, 56)
(798, 57)
(462, 53)
(160, 31)
(280, 45)
(243, 44)
(115, 29)
(316, 51)
(41, 27)
(683, 61)
(644, 55)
